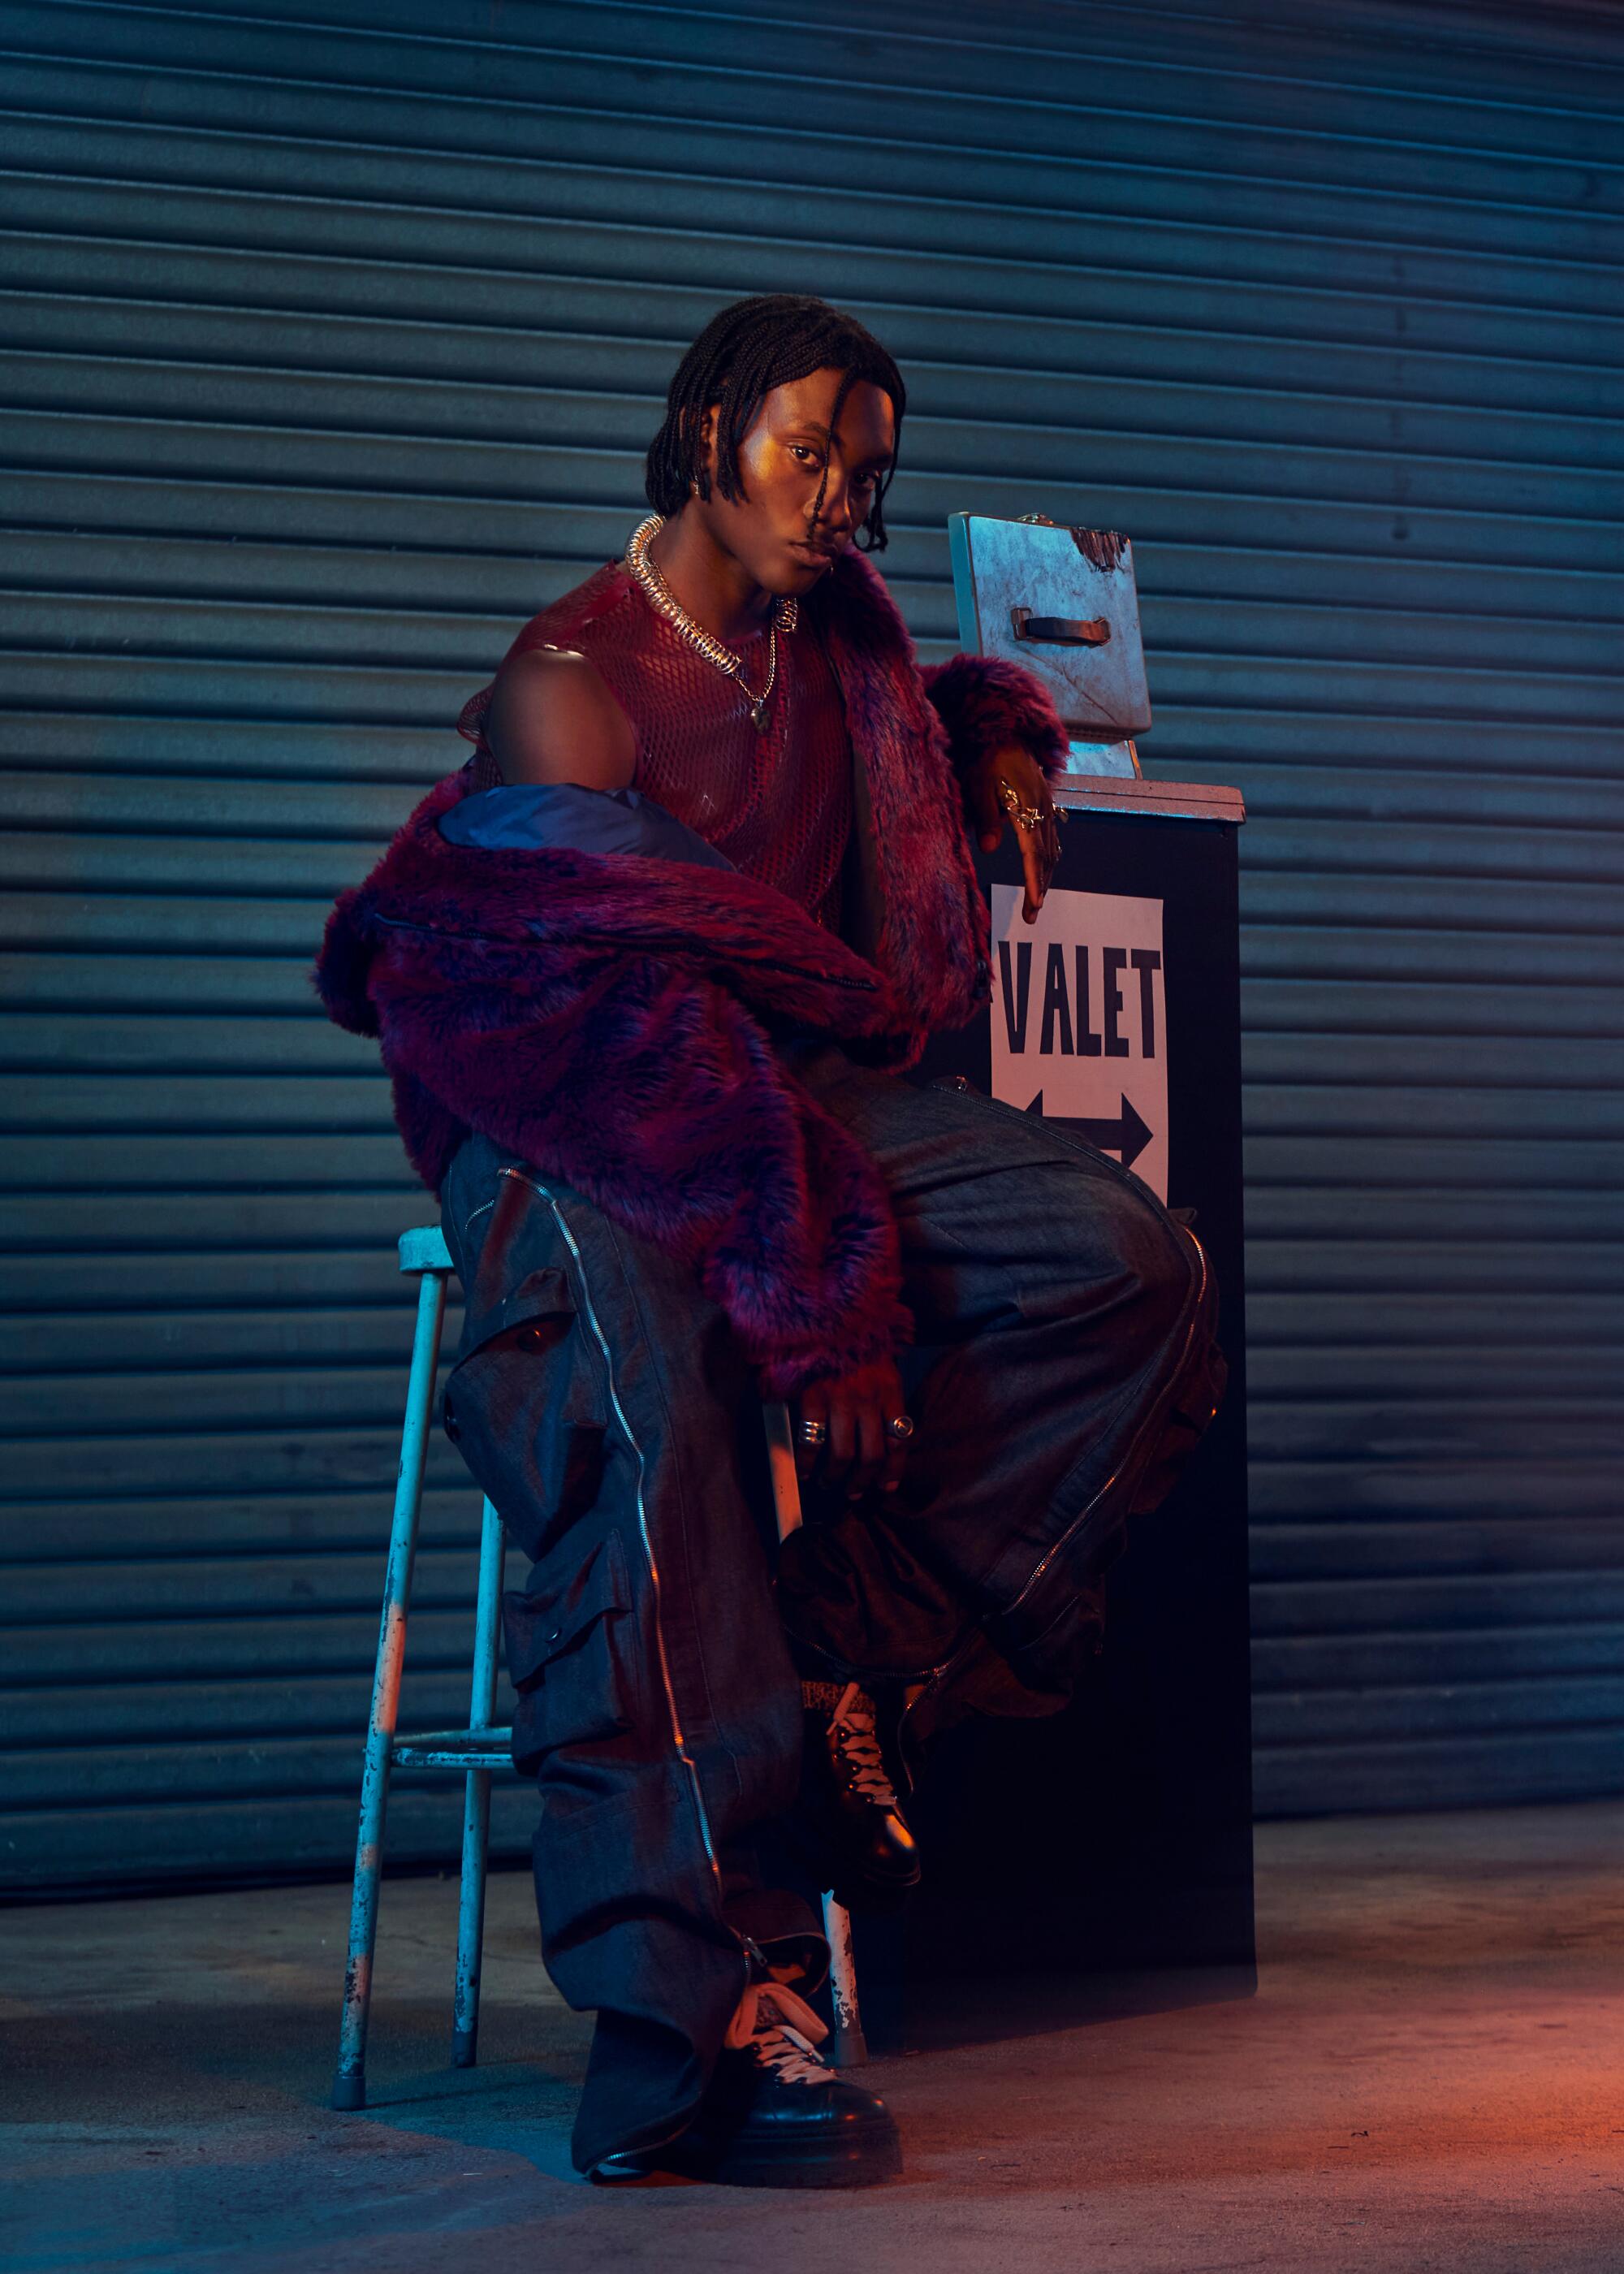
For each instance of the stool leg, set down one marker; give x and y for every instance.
(849, 2047)
(477, 1797)
(349, 2083)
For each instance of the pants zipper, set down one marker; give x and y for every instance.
(703, 1817)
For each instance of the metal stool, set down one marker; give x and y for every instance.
(474, 1752)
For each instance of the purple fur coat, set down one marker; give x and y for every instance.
(613, 1019)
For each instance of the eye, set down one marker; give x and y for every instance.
(807, 457)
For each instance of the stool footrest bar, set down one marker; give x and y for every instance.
(454, 1748)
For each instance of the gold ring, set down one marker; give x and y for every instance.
(1023, 817)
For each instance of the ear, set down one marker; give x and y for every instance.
(707, 437)
(699, 433)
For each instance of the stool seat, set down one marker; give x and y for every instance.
(423, 1249)
(454, 1748)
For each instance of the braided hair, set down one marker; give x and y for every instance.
(739, 357)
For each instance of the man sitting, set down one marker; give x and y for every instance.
(646, 974)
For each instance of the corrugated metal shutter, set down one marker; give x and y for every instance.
(333, 334)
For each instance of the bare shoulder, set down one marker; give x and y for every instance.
(553, 718)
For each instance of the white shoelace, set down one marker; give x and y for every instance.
(852, 1727)
(782, 2033)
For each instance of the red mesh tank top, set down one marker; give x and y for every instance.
(778, 804)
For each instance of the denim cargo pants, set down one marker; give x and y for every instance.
(1063, 1365)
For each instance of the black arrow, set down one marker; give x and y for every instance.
(1127, 1136)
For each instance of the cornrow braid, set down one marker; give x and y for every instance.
(741, 355)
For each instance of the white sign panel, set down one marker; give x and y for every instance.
(1079, 1023)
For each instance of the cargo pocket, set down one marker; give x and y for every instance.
(572, 1654)
(526, 1406)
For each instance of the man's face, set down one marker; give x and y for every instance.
(770, 532)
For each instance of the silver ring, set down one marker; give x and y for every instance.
(900, 1424)
(814, 1433)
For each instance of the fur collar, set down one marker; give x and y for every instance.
(615, 1019)
(933, 934)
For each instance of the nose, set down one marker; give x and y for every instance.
(835, 513)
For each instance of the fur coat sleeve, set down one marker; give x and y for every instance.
(652, 1091)
(616, 1021)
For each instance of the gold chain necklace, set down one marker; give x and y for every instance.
(663, 601)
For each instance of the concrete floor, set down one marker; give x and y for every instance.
(1431, 2076)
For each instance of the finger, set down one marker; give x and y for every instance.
(984, 805)
(1042, 859)
(870, 1429)
(984, 791)
(841, 1450)
(1051, 846)
(893, 1401)
(895, 1453)
(1031, 863)
(811, 1405)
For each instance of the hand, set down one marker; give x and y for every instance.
(1013, 773)
(859, 1451)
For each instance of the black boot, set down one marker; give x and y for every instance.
(776, 2114)
(850, 1797)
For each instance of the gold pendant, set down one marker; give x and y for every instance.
(758, 716)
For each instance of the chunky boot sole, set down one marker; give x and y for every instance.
(862, 2156)
(853, 2156)
(871, 1898)
(819, 1847)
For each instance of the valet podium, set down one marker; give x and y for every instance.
(1100, 1859)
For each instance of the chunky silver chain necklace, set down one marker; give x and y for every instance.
(663, 601)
